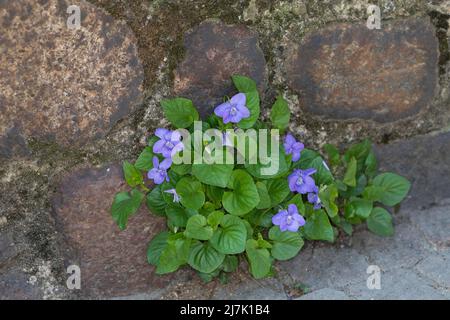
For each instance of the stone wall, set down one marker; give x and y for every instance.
(76, 102)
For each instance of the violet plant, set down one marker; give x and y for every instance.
(219, 214)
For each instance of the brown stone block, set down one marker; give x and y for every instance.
(349, 71)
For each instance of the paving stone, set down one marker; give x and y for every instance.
(398, 284)
(407, 247)
(112, 262)
(14, 285)
(8, 248)
(251, 289)
(437, 268)
(434, 223)
(328, 267)
(214, 52)
(349, 71)
(59, 84)
(425, 161)
(325, 294)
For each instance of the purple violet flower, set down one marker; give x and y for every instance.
(289, 220)
(313, 198)
(301, 182)
(159, 172)
(176, 197)
(169, 142)
(291, 146)
(233, 110)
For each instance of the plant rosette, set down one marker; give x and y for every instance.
(259, 207)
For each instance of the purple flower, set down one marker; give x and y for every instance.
(169, 142)
(313, 198)
(289, 220)
(291, 146)
(159, 172)
(233, 110)
(176, 197)
(301, 181)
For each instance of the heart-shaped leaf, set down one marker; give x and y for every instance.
(231, 235)
(197, 228)
(244, 195)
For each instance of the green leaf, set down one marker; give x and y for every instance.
(213, 174)
(214, 219)
(350, 174)
(244, 195)
(145, 159)
(286, 244)
(371, 165)
(394, 188)
(191, 193)
(125, 205)
(318, 227)
(204, 258)
(264, 198)
(362, 207)
(380, 222)
(260, 218)
(180, 112)
(280, 114)
(278, 190)
(155, 201)
(244, 84)
(156, 247)
(178, 216)
(144, 162)
(257, 169)
(259, 259)
(252, 103)
(132, 175)
(359, 151)
(181, 169)
(328, 197)
(230, 263)
(333, 154)
(311, 159)
(174, 255)
(197, 228)
(231, 235)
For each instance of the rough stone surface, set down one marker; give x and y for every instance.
(325, 294)
(61, 84)
(349, 71)
(401, 284)
(214, 52)
(437, 268)
(249, 289)
(14, 285)
(434, 224)
(112, 262)
(8, 249)
(425, 161)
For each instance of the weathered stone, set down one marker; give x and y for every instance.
(349, 71)
(14, 285)
(328, 267)
(437, 268)
(402, 284)
(425, 161)
(112, 262)
(8, 249)
(60, 84)
(267, 289)
(434, 224)
(215, 52)
(404, 249)
(325, 294)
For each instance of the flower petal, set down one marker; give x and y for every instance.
(155, 162)
(161, 132)
(292, 209)
(158, 146)
(243, 110)
(239, 99)
(279, 218)
(293, 226)
(222, 109)
(309, 171)
(165, 164)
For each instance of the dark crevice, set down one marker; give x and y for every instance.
(440, 21)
